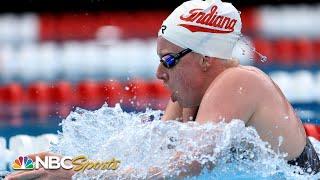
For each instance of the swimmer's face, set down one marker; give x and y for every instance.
(185, 79)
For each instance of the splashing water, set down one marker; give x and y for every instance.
(141, 141)
(248, 48)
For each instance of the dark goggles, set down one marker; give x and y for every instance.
(170, 60)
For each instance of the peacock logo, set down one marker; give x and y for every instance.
(23, 163)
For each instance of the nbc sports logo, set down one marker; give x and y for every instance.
(79, 163)
(23, 163)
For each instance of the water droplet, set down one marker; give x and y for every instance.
(284, 155)
(309, 170)
(263, 59)
(240, 90)
(280, 139)
(127, 88)
(253, 49)
(251, 156)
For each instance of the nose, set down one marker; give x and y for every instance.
(162, 74)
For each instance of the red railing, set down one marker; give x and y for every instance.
(42, 99)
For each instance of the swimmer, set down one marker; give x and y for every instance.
(195, 45)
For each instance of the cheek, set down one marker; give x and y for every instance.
(174, 79)
(191, 86)
(184, 82)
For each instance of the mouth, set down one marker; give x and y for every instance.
(174, 97)
(173, 93)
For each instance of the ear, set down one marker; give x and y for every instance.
(204, 63)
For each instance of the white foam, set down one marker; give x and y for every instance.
(2, 153)
(21, 145)
(43, 142)
(236, 150)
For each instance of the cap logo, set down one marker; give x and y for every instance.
(163, 27)
(208, 22)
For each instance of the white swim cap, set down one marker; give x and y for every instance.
(210, 27)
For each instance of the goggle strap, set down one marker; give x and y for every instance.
(185, 51)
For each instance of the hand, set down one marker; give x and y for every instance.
(155, 173)
(178, 162)
(41, 173)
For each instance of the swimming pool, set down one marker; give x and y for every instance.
(140, 141)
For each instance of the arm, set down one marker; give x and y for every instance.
(175, 111)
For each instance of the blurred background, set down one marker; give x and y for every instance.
(59, 55)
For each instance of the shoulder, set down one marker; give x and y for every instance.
(242, 76)
(235, 93)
